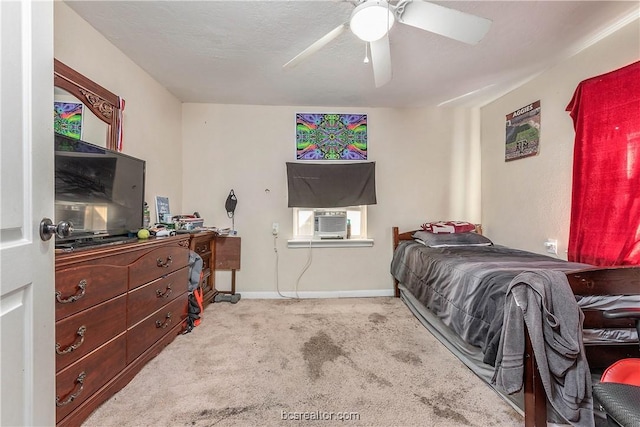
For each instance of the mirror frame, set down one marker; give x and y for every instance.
(103, 103)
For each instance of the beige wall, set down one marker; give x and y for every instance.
(427, 161)
(427, 168)
(152, 116)
(526, 201)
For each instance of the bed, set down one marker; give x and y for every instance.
(458, 292)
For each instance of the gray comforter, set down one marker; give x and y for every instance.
(466, 286)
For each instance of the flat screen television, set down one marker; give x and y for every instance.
(101, 192)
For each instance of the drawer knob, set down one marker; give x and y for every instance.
(73, 396)
(81, 330)
(164, 324)
(166, 293)
(81, 286)
(165, 263)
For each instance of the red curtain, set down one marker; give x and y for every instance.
(605, 200)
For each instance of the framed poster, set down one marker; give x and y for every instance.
(67, 119)
(163, 213)
(331, 136)
(523, 132)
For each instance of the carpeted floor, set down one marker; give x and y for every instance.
(315, 362)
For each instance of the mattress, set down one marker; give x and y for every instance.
(465, 287)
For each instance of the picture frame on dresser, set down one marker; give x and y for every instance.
(163, 212)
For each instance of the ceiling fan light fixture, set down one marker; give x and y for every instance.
(371, 20)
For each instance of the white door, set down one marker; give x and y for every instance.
(27, 334)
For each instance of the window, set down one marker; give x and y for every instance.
(303, 221)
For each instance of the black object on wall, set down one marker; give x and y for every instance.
(230, 206)
(314, 185)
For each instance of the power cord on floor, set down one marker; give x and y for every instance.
(309, 258)
(275, 250)
(304, 269)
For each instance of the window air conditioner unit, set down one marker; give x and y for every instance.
(330, 224)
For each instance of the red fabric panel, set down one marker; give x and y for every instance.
(605, 201)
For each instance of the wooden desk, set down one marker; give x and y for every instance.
(227, 257)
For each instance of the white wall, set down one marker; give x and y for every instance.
(152, 115)
(528, 200)
(427, 168)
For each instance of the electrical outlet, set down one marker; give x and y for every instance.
(275, 228)
(552, 246)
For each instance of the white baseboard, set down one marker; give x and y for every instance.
(319, 294)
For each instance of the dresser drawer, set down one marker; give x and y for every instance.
(206, 261)
(148, 298)
(151, 329)
(81, 333)
(157, 263)
(201, 245)
(78, 381)
(81, 287)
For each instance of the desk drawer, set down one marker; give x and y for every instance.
(201, 246)
(81, 333)
(78, 288)
(80, 380)
(154, 327)
(157, 263)
(146, 299)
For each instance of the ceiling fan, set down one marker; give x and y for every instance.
(371, 21)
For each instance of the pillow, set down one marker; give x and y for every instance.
(448, 227)
(444, 240)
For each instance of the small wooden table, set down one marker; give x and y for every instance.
(227, 257)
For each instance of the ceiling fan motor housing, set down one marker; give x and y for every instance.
(371, 20)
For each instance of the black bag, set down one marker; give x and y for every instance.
(193, 313)
(230, 204)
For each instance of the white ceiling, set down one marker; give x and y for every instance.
(232, 52)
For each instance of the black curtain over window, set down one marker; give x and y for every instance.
(313, 185)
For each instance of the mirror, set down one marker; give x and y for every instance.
(93, 129)
(104, 105)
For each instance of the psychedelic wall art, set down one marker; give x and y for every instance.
(67, 119)
(331, 136)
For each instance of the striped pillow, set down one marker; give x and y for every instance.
(448, 227)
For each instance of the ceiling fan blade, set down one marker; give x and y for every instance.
(444, 21)
(381, 60)
(316, 46)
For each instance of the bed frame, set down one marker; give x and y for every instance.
(595, 281)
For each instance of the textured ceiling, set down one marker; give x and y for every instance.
(232, 52)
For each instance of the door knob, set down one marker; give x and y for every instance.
(47, 229)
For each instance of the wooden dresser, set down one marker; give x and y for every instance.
(202, 243)
(117, 307)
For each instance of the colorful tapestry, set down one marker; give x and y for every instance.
(67, 119)
(331, 136)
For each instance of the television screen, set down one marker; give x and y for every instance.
(101, 192)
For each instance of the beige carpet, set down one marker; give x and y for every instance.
(346, 362)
